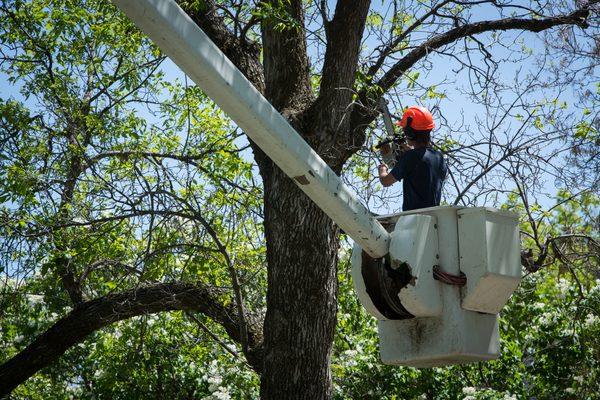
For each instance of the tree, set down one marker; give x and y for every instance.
(96, 198)
(125, 212)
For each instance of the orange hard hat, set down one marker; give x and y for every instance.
(421, 119)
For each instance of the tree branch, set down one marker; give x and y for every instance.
(534, 25)
(344, 37)
(243, 53)
(389, 48)
(361, 117)
(98, 313)
(285, 58)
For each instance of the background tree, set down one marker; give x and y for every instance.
(128, 194)
(99, 200)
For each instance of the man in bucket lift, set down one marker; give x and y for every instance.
(421, 168)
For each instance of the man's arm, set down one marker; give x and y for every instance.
(385, 177)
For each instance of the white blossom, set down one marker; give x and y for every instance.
(214, 383)
(19, 339)
(546, 318)
(35, 298)
(222, 394)
(563, 287)
(591, 319)
(469, 390)
(350, 353)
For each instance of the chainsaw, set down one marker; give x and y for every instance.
(393, 138)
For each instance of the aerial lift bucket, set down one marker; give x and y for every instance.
(423, 322)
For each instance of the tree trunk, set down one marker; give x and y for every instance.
(302, 242)
(302, 245)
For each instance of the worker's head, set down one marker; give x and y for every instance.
(417, 123)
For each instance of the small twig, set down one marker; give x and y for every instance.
(213, 336)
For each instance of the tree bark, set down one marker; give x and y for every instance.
(285, 62)
(344, 36)
(302, 245)
(302, 242)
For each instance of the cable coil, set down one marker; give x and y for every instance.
(449, 279)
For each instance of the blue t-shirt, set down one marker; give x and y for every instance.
(422, 171)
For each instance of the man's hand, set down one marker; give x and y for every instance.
(383, 170)
(385, 177)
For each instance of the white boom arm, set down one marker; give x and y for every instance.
(191, 49)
